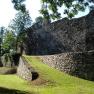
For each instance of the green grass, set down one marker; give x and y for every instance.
(57, 82)
(62, 83)
(10, 82)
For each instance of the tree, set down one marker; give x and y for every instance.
(21, 21)
(18, 5)
(9, 40)
(8, 46)
(2, 29)
(71, 7)
(50, 7)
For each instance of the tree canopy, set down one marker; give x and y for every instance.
(2, 30)
(50, 8)
(20, 22)
(71, 7)
(9, 41)
(18, 5)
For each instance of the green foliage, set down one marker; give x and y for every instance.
(71, 7)
(8, 46)
(9, 41)
(2, 30)
(18, 25)
(45, 13)
(18, 5)
(20, 22)
(49, 8)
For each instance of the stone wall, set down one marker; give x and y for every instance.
(24, 70)
(62, 36)
(75, 63)
(68, 45)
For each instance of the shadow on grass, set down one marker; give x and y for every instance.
(12, 91)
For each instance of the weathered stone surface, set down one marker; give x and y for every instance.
(75, 63)
(24, 70)
(67, 45)
(62, 36)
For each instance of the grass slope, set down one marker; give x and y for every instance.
(51, 81)
(11, 84)
(61, 83)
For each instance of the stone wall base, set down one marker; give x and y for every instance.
(80, 64)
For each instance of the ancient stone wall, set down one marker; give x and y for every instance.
(24, 70)
(75, 63)
(67, 45)
(62, 36)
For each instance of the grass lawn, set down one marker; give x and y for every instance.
(50, 81)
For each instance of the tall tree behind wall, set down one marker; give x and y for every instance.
(18, 5)
(2, 29)
(9, 40)
(21, 21)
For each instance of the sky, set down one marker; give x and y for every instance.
(7, 11)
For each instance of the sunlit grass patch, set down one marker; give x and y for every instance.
(50, 81)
